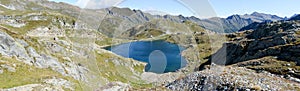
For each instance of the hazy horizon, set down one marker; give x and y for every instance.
(175, 7)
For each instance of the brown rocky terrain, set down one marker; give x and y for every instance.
(266, 58)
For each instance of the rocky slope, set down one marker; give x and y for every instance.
(56, 46)
(125, 18)
(232, 78)
(280, 39)
(266, 58)
(45, 46)
(295, 17)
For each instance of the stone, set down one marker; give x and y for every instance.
(22, 42)
(1, 71)
(77, 72)
(9, 68)
(58, 82)
(29, 87)
(10, 47)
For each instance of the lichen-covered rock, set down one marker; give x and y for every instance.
(10, 47)
(58, 82)
(75, 71)
(231, 78)
(115, 86)
(8, 68)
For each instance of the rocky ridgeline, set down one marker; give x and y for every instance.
(278, 39)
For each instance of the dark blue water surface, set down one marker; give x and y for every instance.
(160, 55)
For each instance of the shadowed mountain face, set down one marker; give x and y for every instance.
(227, 25)
(236, 22)
(295, 17)
(271, 49)
(279, 39)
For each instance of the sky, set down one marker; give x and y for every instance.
(199, 8)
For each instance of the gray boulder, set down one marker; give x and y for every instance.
(44, 61)
(9, 47)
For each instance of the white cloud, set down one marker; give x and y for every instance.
(156, 12)
(96, 4)
(82, 3)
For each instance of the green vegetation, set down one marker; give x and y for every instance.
(106, 41)
(114, 69)
(26, 74)
(109, 25)
(275, 66)
(297, 32)
(148, 33)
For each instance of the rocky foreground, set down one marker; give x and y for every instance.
(264, 58)
(233, 78)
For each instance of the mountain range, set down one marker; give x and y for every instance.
(226, 25)
(47, 45)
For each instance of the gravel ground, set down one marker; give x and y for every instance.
(232, 78)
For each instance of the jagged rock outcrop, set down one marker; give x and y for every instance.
(280, 39)
(28, 55)
(10, 47)
(231, 78)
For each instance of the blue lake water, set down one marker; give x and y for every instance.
(160, 56)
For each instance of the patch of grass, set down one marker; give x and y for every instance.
(105, 41)
(120, 72)
(139, 68)
(276, 66)
(256, 88)
(30, 25)
(298, 32)
(26, 74)
(148, 33)
(194, 27)
(141, 85)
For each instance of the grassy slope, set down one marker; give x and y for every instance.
(35, 75)
(26, 74)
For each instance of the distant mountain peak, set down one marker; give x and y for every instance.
(256, 13)
(236, 16)
(295, 17)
